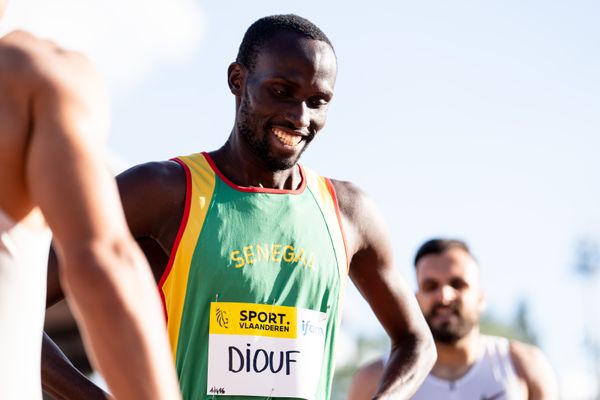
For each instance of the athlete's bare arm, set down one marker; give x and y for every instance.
(533, 367)
(165, 184)
(61, 110)
(154, 224)
(373, 272)
(60, 378)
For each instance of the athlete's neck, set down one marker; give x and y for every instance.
(249, 171)
(455, 360)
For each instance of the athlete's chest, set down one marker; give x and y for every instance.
(261, 238)
(488, 381)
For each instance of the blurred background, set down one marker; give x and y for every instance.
(475, 120)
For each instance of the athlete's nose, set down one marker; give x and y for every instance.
(299, 116)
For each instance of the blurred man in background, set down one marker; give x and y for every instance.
(469, 365)
(53, 123)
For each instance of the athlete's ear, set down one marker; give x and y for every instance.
(236, 74)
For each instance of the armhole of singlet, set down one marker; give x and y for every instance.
(338, 214)
(182, 225)
(508, 356)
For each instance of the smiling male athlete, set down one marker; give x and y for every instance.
(259, 247)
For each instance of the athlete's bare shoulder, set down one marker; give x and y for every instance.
(165, 184)
(49, 93)
(349, 197)
(362, 220)
(29, 56)
(534, 368)
(34, 67)
(16, 51)
(17, 82)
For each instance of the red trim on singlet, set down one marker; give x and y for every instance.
(299, 190)
(182, 225)
(339, 217)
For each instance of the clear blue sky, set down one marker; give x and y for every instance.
(479, 120)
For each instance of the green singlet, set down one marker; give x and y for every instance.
(254, 287)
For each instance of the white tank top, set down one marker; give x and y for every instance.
(492, 377)
(23, 262)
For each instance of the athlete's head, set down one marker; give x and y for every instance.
(262, 31)
(283, 80)
(448, 292)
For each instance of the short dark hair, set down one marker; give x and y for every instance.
(438, 246)
(263, 30)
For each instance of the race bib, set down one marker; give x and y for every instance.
(264, 350)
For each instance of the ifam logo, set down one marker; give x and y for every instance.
(222, 319)
(311, 328)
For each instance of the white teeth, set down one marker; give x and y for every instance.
(286, 138)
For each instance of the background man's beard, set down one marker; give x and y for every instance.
(450, 332)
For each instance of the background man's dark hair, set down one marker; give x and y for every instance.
(260, 32)
(438, 246)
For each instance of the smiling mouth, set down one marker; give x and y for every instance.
(287, 138)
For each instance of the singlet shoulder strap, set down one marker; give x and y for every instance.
(324, 194)
(200, 185)
(497, 350)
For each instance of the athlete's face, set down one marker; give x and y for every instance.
(449, 294)
(283, 100)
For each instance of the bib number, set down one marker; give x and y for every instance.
(265, 350)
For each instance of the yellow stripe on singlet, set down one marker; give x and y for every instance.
(201, 184)
(328, 203)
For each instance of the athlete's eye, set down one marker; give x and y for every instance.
(316, 101)
(279, 91)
